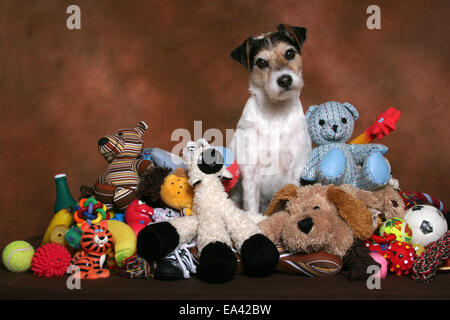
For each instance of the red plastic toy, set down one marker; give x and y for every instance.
(138, 215)
(51, 260)
(384, 124)
(400, 255)
(401, 258)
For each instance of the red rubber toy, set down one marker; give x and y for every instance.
(50, 260)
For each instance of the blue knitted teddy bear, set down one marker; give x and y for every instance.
(333, 161)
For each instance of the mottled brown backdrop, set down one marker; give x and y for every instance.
(167, 62)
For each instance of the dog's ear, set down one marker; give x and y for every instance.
(298, 34)
(352, 110)
(353, 211)
(281, 197)
(241, 54)
(141, 127)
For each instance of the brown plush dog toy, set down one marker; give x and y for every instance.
(384, 204)
(323, 218)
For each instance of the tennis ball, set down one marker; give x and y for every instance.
(17, 256)
(397, 226)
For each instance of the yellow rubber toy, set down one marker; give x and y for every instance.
(62, 217)
(125, 240)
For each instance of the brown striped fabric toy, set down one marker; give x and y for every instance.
(123, 151)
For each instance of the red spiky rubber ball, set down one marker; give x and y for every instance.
(51, 260)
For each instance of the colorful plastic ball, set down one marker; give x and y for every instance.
(397, 227)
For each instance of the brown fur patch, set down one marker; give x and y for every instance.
(275, 55)
(353, 211)
(280, 198)
(337, 218)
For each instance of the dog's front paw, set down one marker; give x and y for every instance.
(157, 240)
(217, 264)
(259, 256)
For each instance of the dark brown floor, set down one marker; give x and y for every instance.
(278, 286)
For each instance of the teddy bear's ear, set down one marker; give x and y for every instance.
(310, 111)
(280, 199)
(352, 110)
(141, 127)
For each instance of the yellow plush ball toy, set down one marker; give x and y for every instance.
(17, 256)
(176, 192)
(397, 227)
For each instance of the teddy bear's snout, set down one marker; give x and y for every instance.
(305, 225)
(335, 127)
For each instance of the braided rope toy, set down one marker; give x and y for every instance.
(435, 255)
(91, 211)
(412, 198)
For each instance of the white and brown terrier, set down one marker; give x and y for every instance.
(271, 142)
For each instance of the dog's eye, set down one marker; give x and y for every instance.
(321, 122)
(261, 63)
(289, 54)
(316, 208)
(394, 203)
(344, 120)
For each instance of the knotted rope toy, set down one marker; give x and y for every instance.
(435, 255)
(91, 211)
(412, 198)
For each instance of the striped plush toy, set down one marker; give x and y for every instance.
(123, 151)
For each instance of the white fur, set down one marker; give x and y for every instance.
(275, 115)
(215, 216)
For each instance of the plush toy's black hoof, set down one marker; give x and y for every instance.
(217, 264)
(157, 240)
(168, 270)
(259, 256)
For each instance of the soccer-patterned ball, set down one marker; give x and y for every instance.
(428, 224)
(397, 227)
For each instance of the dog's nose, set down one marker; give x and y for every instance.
(102, 141)
(285, 81)
(305, 225)
(335, 127)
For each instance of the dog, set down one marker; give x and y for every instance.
(271, 142)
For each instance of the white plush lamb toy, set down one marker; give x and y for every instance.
(216, 222)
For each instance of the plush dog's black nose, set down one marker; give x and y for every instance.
(285, 81)
(102, 141)
(305, 225)
(335, 127)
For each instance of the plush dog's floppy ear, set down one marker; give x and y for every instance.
(241, 54)
(353, 211)
(280, 199)
(297, 33)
